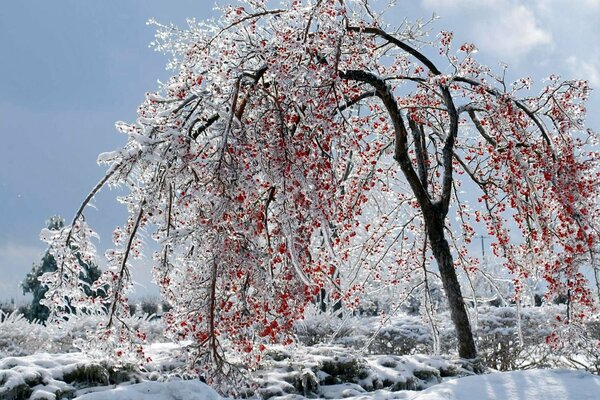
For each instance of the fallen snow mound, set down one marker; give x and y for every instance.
(188, 390)
(74, 376)
(536, 384)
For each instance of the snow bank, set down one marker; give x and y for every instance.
(534, 384)
(74, 375)
(178, 390)
(56, 376)
(323, 372)
(335, 372)
(38, 375)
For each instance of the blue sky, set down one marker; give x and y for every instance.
(71, 68)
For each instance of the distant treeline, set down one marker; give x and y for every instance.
(144, 306)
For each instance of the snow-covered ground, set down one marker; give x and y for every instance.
(38, 362)
(516, 385)
(535, 384)
(56, 376)
(179, 390)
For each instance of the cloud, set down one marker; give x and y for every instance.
(582, 69)
(507, 28)
(512, 33)
(591, 3)
(460, 5)
(453, 4)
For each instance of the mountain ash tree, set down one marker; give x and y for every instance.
(291, 141)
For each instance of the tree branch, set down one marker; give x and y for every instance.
(384, 92)
(420, 152)
(519, 104)
(447, 153)
(123, 268)
(194, 133)
(480, 127)
(409, 49)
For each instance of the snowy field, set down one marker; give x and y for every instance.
(37, 362)
(46, 374)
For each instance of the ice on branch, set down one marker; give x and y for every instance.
(310, 154)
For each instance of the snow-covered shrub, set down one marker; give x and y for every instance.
(56, 376)
(322, 327)
(582, 351)
(398, 334)
(591, 349)
(506, 344)
(506, 339)
(401, 335)
(80, 326)
(20, 337)
(149, 307)
(334, 372)
(6, 309)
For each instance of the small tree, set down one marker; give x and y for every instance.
(292, 141)
(88, 275)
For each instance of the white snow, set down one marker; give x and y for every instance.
(174, 390)
(536, 384)
(47, 371)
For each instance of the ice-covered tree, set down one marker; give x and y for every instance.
(31, 284)
(294, 140)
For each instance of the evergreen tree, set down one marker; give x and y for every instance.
(31, 284)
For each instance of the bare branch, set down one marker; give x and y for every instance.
(123, 268)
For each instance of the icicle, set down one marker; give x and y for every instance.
(519, 327)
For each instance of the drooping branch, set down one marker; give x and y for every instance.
(93, 193)
(123, 267)
(238, 112)
(241, 20)
(212, 315)
(407, 48)
(519, 104)
(84, 204)
(384, 92)
(480, 127)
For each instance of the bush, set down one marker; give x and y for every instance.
(400, 335)
(497, 337)
(20, 337)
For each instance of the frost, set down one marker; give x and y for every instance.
(271, 180)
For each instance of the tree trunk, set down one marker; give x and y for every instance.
(458, 311)
(434, 213)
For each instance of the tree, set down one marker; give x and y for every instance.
(254, 167)
(89, 274)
